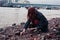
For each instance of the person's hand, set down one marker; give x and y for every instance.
(22, 32)
(30, 29)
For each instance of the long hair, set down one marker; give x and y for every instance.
(31, 12)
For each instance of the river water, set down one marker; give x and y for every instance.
(8, 16)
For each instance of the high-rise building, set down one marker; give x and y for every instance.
(26, 2)
(13, 1)
(16, 1)
(3, 2)
(22, 1)
(10, 1)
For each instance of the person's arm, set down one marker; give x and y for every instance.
(25, 27)
(27, 24)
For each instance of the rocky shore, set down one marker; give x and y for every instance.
(13, 32)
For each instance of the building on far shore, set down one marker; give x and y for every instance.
(6, 2)
(18, 1)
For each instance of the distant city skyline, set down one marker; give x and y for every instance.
(55, 2)
(18, 1)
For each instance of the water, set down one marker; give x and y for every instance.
(8, 16)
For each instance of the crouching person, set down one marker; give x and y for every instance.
(37, 20)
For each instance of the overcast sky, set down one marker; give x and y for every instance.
(57, 2)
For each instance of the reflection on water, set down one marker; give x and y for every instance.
(8, 16)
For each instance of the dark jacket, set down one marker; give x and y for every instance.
(43, 23)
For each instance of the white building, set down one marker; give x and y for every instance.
(21, 1)
(18, 1)
(11, 1)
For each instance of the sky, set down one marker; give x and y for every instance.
(55, 2)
